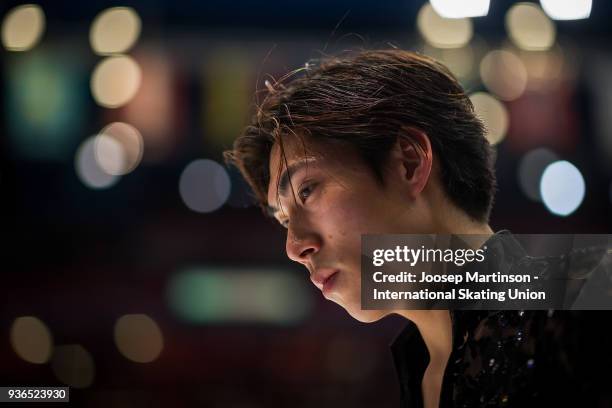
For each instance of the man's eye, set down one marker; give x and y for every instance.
(305, 192)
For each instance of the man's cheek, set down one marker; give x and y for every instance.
(353, 220)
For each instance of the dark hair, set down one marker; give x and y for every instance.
(364, 100)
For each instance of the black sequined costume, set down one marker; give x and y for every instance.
(516, 358)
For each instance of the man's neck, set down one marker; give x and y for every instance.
(435, 326)
(436, 330)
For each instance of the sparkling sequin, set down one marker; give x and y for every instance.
(494, 357)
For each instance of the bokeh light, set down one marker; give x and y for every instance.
(157, 109)
(567, 9)
(31, 339)
(443, 32)
(114, 30)
(44, 110)
(545, 69)
(87, 168)
(110, 156)
(530, 171)
(460, 9)
(23, 27)
(529, 27)
(494, 115)
(118, 148)
(504, 74)
(204, 185)
(224, 295)
(73, 365)
(115, 81)
(460, 61)
(138, 338)
(227, 86)
(562, 188)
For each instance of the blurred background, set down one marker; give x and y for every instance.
(135, 267)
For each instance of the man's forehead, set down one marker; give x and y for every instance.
(278, 167)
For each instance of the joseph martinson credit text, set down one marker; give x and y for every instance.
(453, 283)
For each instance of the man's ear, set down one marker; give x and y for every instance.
(416, 159)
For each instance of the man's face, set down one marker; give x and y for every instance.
(337, 198)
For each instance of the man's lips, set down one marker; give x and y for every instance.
(324, 279)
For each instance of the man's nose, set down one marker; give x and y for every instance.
(301, 244)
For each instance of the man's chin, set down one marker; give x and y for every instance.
(365, 316)
(356, 312)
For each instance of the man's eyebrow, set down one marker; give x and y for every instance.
(285, 177)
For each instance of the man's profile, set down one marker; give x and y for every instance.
(385, 142)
